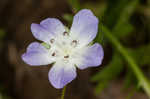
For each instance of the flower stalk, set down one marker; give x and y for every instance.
(63, 92)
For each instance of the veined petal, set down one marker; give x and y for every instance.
(61, 74)
(92, 57)
(84, 27)
(40, 32)
(47, 29)
(37, 55)
(53, 25)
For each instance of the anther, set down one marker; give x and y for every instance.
(65, 33)
(54, 54)
(52, 40)
(66, 56)
(74, 43)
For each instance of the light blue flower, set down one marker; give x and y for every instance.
(66, 49)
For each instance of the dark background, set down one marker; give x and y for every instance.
(20, 81)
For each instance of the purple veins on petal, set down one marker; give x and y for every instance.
(92, 58)
(40, 33)
(36, 54)
(47, 29)
(85, 26)
(61, 74)
(53, 25)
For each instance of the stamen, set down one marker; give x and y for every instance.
(65, 33)
(74, 43)
(66, 56)
(52, 40)
(54, 54)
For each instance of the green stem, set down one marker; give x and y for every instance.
(63, 92)
(138, 73)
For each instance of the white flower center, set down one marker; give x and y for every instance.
(64, 48)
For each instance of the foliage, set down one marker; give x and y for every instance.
(3, 95)
(116, 26)
(2, 34)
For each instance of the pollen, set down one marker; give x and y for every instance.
(65, 33)
(54, 54)
(74, 43)
(52, 40)
(67, 56)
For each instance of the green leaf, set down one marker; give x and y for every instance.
(98, 8)
(123, 30)
(129, 80)
(68, 18)
(111, 70)
(46, 45)
(112, 14)
(100, 86)
(141, 54)
(2, 34)
(118, 19)
(122, 27)
(144, 82)
(75, 4)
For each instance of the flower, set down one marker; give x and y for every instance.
(66, 49)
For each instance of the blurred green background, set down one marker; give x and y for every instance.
(124, 32)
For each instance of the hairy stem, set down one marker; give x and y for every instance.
(144, 82)
(63, 92)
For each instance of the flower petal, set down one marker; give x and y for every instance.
(92, 57)
(53, 25)
(84, 27)
(61, 74)
(47, 29)
(36, 55)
